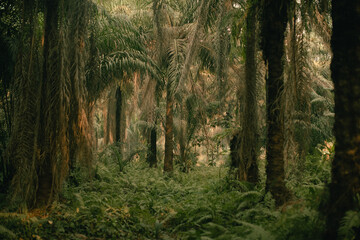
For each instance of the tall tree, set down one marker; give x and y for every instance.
(248, 145)
(345, 68)
(20, 150)
(298, 88)
(169, 122)
(274, 22)
(80, 142)
(161, 61)
(178, 77)
(53, 113)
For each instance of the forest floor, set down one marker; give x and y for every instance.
(142, 203)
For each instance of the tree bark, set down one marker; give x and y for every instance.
(273, 29)
(345, 68)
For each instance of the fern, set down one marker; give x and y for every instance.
(349, 225)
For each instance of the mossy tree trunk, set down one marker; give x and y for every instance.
(345, 68)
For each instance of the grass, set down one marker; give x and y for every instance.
(143, 203)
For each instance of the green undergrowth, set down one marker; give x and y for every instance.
(143, 203)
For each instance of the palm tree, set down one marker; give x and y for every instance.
(248, 146)
(297, 106)
(178, 66)
(61, 109)
(121, 51)
(274, 22)
(80, 145)
(345, 182)
(308, 101)
(25, 93)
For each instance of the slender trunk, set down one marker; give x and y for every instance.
(345, 68)
(151, 134)
(273, 30)
(249, 146)
(118, 114)
(152, 149)
(235, 155)
(169, 145)
(123, 123)
(110, 116)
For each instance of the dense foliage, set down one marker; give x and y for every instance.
(179, 119)
(136, 202)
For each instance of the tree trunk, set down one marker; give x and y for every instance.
(345, 68)
(273, 29)
(110, 136)
(248, 145)
(79, 124)
(235, 155)
(152, 149)
(118, 114)
(20, 150)
(169, 145)
(53, 115)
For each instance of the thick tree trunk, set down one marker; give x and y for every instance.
(345, 68)
(273, 30)
(52, 119)
(249, 145)
(79, 125)
(169, 145)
